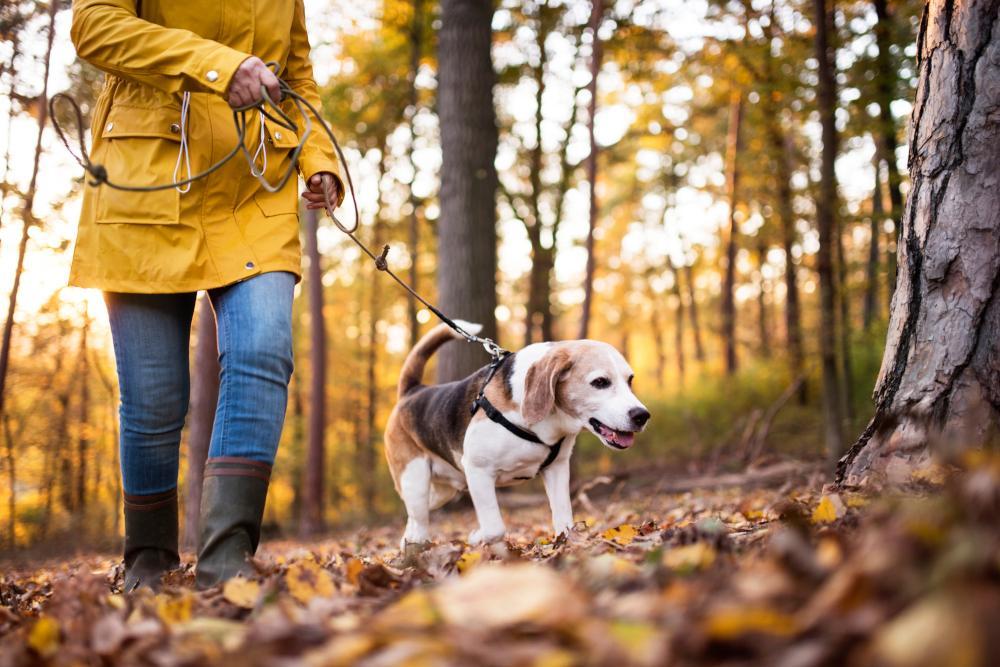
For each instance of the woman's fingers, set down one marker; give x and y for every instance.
(244, 89)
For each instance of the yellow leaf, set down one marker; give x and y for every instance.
(468, 561)
(555, 657)
(413, 611)
(622, 535)
(307, 580)
(829, 509)
(241, 592)
(345, 649)
(174, 609)
(642, 642)
(44, 636)
(731, 623)
(689, 558)
(353, 568)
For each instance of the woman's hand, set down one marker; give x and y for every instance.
(244, 88)
(319, 183)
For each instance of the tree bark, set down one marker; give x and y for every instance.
(732, 184)
(874, 230)
(940, 376)
(27, 217)
(596, 15)
(538, 278)
(11, 485)
(825, 205)
(312, 487)
(467, 226)
(201, 415)
(762, 318)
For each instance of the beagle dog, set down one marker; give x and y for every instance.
(437, 444)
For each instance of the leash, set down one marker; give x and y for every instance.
(99, 176)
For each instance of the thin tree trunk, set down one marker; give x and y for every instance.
(678, 321)
(825, 206)
(27, 217)
(699, 348)
(733, 147)
(312, 489)
(938, 382)
(201, 415)
(83, 435)
(762, 318)
(11, 485)
(888, 75)
(467, 226)
(844, 326)
(656, 328)
(875, 227)
(596, 16)
(416, 50)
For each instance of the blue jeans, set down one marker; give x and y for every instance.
(151, 334)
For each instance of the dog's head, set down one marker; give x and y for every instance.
(592, 383)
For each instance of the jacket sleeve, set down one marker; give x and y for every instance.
(318, 153)
(109, 35)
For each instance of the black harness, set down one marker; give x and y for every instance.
(497, 417)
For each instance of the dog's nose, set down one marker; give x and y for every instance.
(639, 416)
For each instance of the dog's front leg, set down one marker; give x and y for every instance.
(556, 478)
(483, 489)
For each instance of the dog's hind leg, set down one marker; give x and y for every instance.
(441, 494)
(415, 489)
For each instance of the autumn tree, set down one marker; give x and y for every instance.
(939, 375)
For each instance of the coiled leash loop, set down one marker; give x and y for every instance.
(269, 109)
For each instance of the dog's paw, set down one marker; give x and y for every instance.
(481, 536)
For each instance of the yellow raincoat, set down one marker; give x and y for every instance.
(226, 227)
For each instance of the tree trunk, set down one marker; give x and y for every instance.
(699, 348)
(416, 50)
(678, 321)
(312, 487)
(732, 184)
(762, 323)
(596, 15)
(656, 328)
(467, 226)
(825, 205)
(201, 415)
(844, 326)
(83, 434)
(27, 217)
(888, 74)
(11, 485)
(874, 227)
(940, 375)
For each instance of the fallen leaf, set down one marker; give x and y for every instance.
(468, 561)
(621, 535)
(732, 622)
(689, 558)
(494, 596)
(173, 609)
(829, 509)
(44, 636)
(307, 580)
(241, 592)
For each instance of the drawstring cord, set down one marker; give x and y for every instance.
(261, 151)
(269, 109)
(184, 151)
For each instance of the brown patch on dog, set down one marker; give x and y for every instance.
(573, 383)
(400, 448)
(540, 384)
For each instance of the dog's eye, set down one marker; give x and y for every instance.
(600, 383)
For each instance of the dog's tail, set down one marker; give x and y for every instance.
(413, 368)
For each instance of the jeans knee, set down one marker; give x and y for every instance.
(263, 353)
(154, 413)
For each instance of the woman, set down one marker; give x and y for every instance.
(175, 69)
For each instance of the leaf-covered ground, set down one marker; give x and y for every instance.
(787, 575)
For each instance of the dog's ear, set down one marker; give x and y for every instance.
(540, 385)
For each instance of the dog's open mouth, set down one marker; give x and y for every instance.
(611, 437)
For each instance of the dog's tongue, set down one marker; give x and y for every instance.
(623, 440)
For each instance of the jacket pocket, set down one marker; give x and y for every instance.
(279, 143)
(139, 147)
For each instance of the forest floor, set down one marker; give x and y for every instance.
(765, 567)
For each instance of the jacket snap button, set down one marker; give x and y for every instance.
(175, 128)
(109, 127)
(212, 75)
(277, 135)
(249, 265)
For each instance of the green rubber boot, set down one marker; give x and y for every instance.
(150, 539)
(232, 508)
